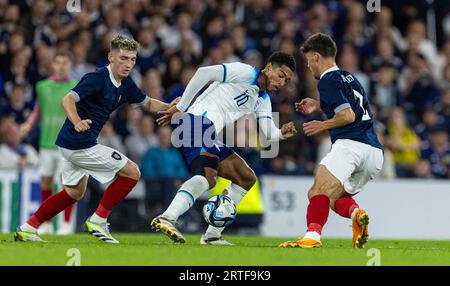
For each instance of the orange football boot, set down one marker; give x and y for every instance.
(360, 226)
(302, 243)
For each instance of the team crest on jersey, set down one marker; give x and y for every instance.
(116, 156)
(348, 78)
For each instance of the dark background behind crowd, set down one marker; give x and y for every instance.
(398, 55)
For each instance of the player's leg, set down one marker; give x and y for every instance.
(201, 151)
(326, 187)
(50, 208)
(204, 168)
(125, 181)
(65, 227)
(46, 185)
(346, 206)
(235, 169)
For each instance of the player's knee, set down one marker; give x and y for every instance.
(211, 181)
(247, 179)
(136, 174)
(74, 193)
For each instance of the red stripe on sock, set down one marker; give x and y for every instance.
(317, 213)
(114, 194)
(51, 207)
(345, 206)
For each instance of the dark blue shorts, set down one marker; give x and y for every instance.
(196, 135)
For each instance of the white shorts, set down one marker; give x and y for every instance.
(49, 162)
(353, 163)
(99, 161)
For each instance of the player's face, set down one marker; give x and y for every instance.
(277, 76)
(122, 61)
(312, 59)
(61, 66)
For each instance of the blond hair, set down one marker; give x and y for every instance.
(121, 42)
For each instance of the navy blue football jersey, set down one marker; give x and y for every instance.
(98, 95)
(339, 90)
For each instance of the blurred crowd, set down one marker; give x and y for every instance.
(405, 73)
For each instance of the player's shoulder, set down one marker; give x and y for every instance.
(331, 79)
(99, 74)
(242, 72)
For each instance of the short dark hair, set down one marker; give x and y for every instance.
(281, 58)
(62, 53)
(320, 43)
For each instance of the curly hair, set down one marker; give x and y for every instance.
(121, 42)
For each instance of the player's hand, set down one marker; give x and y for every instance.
(313, 127)
(24, 129)
(83, 125)
(288, 130)
(175, 101)
(306, 106)
(167, 116)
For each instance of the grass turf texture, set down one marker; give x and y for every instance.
(155, 249)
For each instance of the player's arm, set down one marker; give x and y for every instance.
(201, 78)
(25, 127)
(267, 125)
(155, 105)
(272, 133)
(341, 118)
(308, 106)
(70, 108)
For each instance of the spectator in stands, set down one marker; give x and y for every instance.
(444, 108)
(384, 90)
(348, 60)
(430, 120)
(417, 85)
(385, 54)
(403, 143)
(438, 152)
(149, 55)
(163, 161)
(177, 90)
(17, 107)
(141, 139)
(152, 84)
(80, 65)
(422, 169)
(13, 152)
(109, 138)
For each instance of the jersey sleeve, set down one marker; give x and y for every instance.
(239, 72)
(89, 85)
(265, 109)
(135, 94)
(331, 95)
(265, 121)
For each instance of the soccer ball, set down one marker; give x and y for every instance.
(219, 211)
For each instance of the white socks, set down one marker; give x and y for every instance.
(97, 219)
(312, 235)
(354, 213)
(236, 193)
(28, 228)
(186, 196)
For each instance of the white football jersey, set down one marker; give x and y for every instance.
(225, 102)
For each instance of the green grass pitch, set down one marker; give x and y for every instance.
(156, 249)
